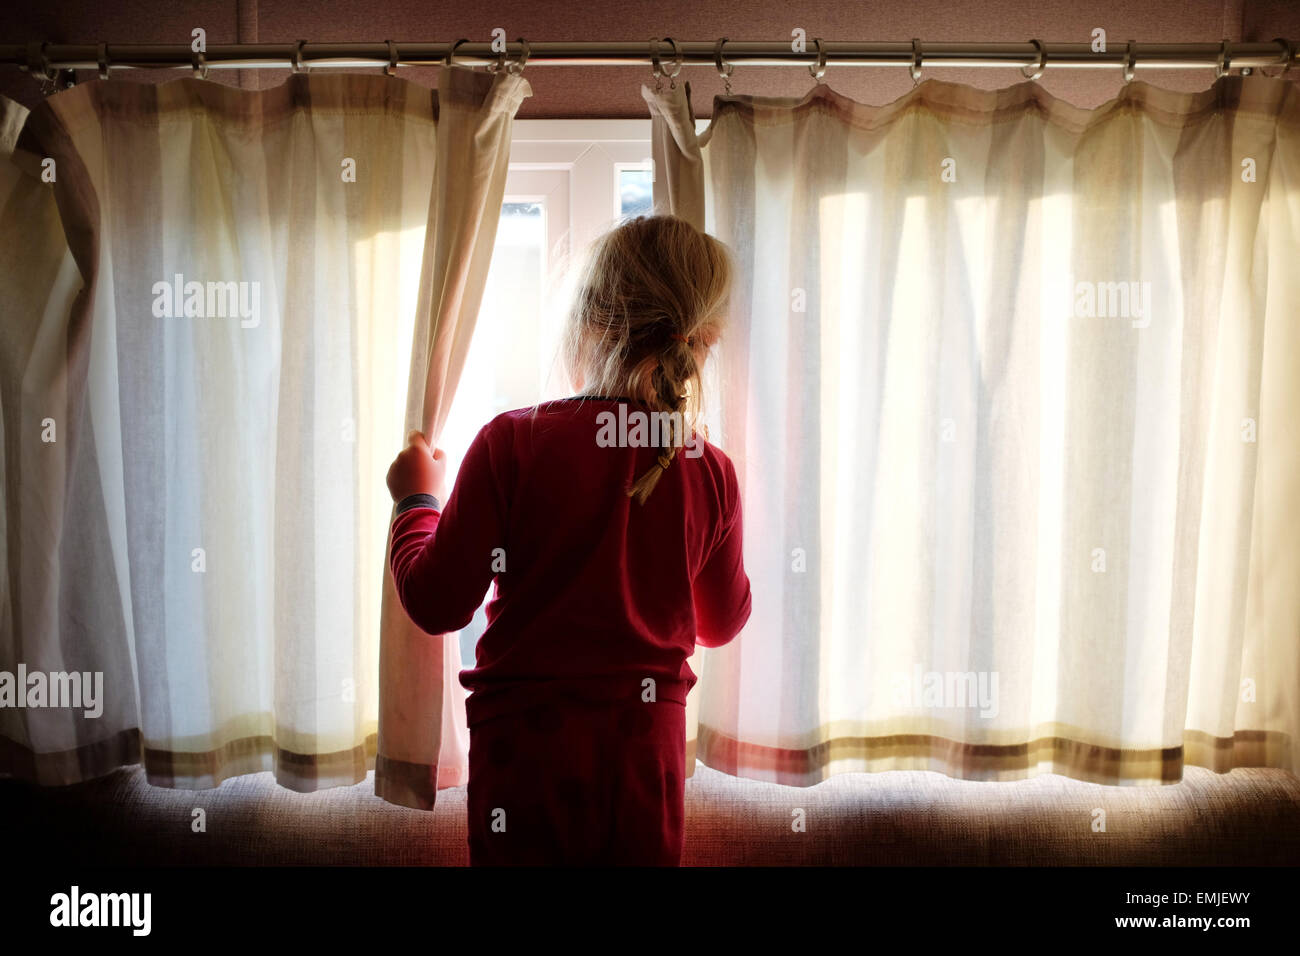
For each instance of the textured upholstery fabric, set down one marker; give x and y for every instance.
(1246, 817)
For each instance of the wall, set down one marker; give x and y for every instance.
(615, 91)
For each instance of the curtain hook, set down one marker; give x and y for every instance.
(1288, 51)
(818, 69)
(1224, 62)
(103, 61)
(517, 66)
(298, 65)
(724, 69)
(199, 63)
(391, 68)
(451, 53)
(917, 58)
(1130, 63)
(1039, 65)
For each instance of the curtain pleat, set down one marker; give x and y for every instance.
(1005, 386)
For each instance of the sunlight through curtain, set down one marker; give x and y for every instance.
(209, 294)
(1008, 386)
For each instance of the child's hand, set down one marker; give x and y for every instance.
(417, 471)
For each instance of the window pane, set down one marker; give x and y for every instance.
(500, 369)
(635, 192)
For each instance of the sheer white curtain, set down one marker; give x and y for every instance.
(1009, 387)
(423, 734)
(204, 350)
(50, 580)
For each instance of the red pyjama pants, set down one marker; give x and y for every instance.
(579, 783)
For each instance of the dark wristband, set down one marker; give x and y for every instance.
(418, 501)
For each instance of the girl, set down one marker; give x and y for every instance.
(615, 546)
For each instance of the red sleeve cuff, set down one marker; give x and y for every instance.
(418, 501)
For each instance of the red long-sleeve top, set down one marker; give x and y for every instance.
(594, 592)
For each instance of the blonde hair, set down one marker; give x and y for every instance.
(653, 293)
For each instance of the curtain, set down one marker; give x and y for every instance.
(210, 310)
(423, 734)
(48, 620)
(1008, 386)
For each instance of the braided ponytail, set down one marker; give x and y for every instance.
(674, 375)
(652, 301)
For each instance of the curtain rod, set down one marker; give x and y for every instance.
(48, 59)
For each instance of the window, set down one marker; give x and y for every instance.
(635, 184)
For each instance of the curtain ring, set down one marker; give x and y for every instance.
(48, 72)
(1130, 62)
(915, 68)
(677, 63)
(103, 61)
(724, 69)
(1038, 65)
(517, 66)
(655, 66)
(38, 62)
(658, 66)
(391, 68)
(451, 53)
(298, 65)
(818, 69)
(199, 62)
(1288, 51)
(1224, 62)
